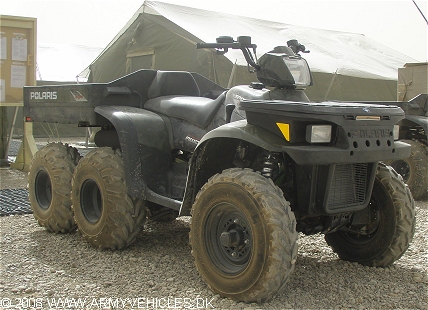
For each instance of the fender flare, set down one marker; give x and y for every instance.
(418, 120)
(222, 142)
(138, 130)
(243, 131)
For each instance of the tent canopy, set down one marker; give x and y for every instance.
(345, 66)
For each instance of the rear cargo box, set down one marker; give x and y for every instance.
(66, 104)
(75, 103)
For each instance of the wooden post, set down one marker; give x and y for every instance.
(3, 137)
(27, 150)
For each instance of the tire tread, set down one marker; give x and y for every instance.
(281, 227)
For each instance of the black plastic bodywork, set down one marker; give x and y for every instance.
(175, 135)
(414, 125)
(327, 178)
(75, 103)
(144, 140)
(360, 132)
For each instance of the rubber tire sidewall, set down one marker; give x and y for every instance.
(255, 283)
(59, 162)
(396, 227)
(122, 218)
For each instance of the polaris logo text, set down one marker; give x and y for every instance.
(191, 140)
(39, 95)
(373, 133)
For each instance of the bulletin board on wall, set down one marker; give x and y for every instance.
(17, 57)
(18, 45)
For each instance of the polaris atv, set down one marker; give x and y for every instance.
(252, 165)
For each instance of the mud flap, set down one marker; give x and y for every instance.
(141, 134)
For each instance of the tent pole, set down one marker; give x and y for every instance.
(232, 74)
(331, 84)
(423, 16)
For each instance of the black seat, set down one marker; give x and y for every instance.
(168, 83)
(196, 110)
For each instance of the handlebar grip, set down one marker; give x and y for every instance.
(208, 45)
(234, 45)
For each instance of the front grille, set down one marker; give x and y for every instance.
(348, 186)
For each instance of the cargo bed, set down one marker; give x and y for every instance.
(75, 103)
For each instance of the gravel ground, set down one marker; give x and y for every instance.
(41, 270)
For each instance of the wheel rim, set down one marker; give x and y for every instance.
(43, 189)
(402, 167)
(366, 234)
(90, 201)
(228, 239)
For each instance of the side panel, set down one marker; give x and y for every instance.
(144, 139)
(64, 104)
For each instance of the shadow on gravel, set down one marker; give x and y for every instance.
(159, 264)
(345, 284)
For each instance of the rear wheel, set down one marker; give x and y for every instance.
(243, 236)
(49, 186)
(105, 214)
(391, 228)
(414, 169)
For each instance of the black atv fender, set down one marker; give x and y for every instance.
(416, 120)
(216, 151)
(415, 113)
(141, 134)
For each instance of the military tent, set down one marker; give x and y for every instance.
(345, 66)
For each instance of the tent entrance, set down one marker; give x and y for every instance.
(141, 59)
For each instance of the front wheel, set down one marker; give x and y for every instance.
(243, 236)
(106, 215)
(392, 224)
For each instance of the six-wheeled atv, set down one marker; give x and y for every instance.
(253, 167)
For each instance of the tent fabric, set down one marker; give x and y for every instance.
(345, 66)
(412, 80)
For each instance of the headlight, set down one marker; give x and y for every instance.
(299, 69)
(396, 132)
(318, 133)
(281, 69)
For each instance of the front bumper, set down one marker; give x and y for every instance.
(325, 155)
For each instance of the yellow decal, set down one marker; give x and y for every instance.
(285, 129)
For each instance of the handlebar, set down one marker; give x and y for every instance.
(225, 42)
(243, 43)
(234, 45)
(297, 47)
